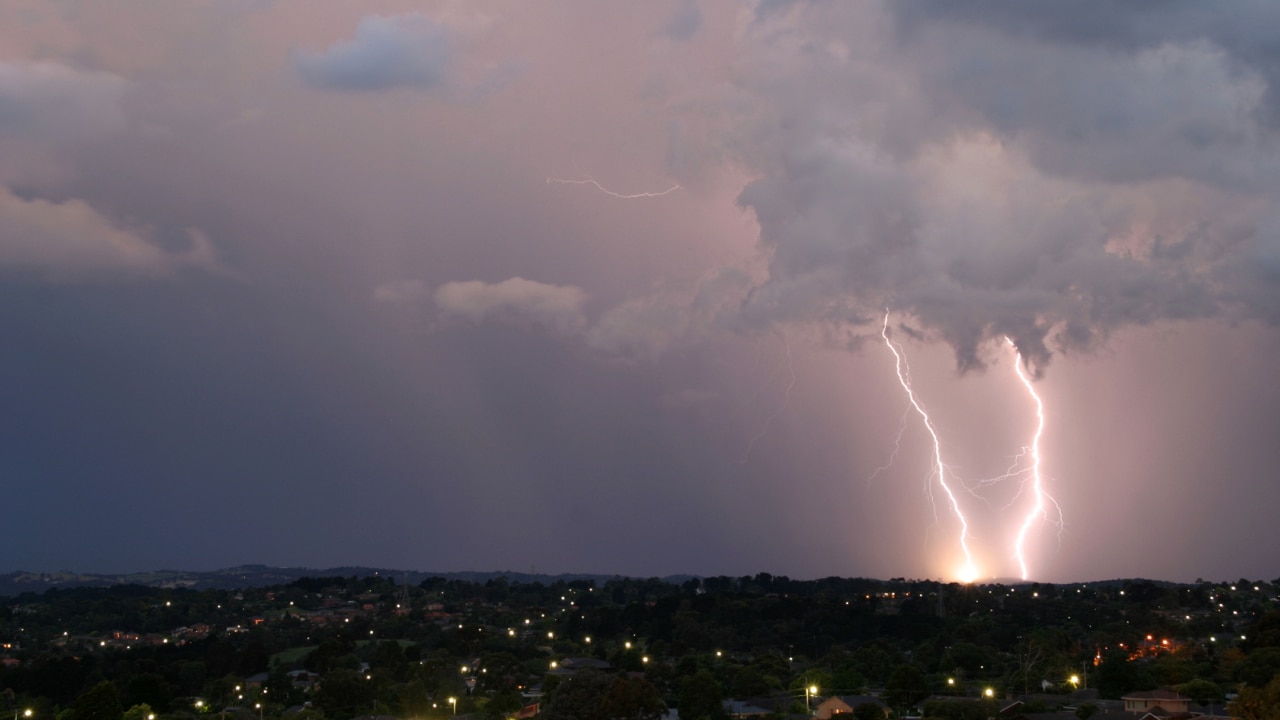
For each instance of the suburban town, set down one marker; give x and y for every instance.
(337, 648)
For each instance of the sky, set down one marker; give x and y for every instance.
(602, 286)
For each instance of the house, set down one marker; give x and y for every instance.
(578, 663)
(569, 666)
(1142, 702)
(303, 679)
(744, 709)
(842, 704)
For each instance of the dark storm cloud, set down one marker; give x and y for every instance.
(1245, 33)
(387, 52)
(1028, 173)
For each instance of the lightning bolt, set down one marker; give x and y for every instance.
(897, 446)
(1041, 498)
(969, 572)
(786, 397)
(607, 191)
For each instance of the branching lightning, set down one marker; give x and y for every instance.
(969, 571)
(607, 191)
(897, 446)
(1041, 498)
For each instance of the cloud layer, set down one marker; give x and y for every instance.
(991, 176)
(306, 252)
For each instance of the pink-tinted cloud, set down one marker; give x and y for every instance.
(70, 240)
(558, 307)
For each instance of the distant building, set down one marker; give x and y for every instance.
(744, 709)
(843, 704)
(1148, 700)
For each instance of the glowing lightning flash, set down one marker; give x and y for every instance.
(969, 572)
(607, 191)
(1037, 485)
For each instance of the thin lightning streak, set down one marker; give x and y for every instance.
(1037, 485)
(969, 572)
(897, 445)
(1011, 472)
(786, 398)
(607, 191)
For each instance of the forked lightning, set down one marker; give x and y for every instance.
(968, 572)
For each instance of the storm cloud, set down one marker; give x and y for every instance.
(989, 173)
(298, 268)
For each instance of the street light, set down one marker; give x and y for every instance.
(1075, 681)
(989, 693)
(25, 713)
(808, 693)
(454, 702)
(256, 705)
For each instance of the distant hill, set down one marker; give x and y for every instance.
(247, 576)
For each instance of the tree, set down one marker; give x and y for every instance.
(1200, 690)
(1086, 711)
(141, 711)
(1259, 667)
(633, 699)
(504, 704)
(868, 711)
(1116, 675)
(389, 658)
(701, 697)
(344, 693)
(749, 681)
(1257, 703)
(579, 696)
(502, 671)
(101, 702)
(906, 686)
(149, 689)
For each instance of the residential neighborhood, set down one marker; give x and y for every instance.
(718, 648)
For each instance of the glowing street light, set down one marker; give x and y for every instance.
(453, 701)
(989, 692)
(25, 713)
(809, 692)
(1075, 681)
